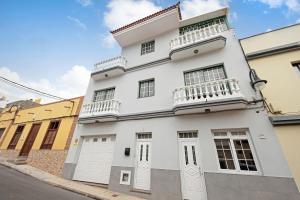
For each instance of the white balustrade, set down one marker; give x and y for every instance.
(113, 62)
(205, 92)
(197, 35)
(100, 108)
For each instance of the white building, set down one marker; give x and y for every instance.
(175, 117)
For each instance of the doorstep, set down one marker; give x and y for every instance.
(77, 187)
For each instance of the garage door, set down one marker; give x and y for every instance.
(95, 159)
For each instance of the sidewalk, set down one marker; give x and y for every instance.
(86, 190)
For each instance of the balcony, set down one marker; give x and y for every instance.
(208, 97)
(109, 68)
(198, 41)
(104, 110)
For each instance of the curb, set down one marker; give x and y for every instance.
(77, 191)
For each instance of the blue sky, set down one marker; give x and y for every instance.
(51, 44)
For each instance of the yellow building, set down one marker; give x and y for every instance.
(40, 135)
(275, 56)
(7, 117)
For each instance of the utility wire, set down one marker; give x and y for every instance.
(18, 85)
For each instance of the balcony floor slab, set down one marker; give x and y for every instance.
(110, 72)
(204, 46)
(210, 106)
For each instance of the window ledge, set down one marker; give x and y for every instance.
(220, 171)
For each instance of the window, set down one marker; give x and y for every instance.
(297, 67)
(147, 152)
(203, 24)
(193, 134)
(14, 141)
(204, 75)
(144, 135)
(141, 153)
(50, 135)
(102, 95)
(1, 131)
(147, 47)
(146, 88)
(125, 177)
(234, 151)
(186, 155)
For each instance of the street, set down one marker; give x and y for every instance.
(17, 186)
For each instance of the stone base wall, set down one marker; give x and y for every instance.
(50, 161)
(165, 184)
(9, 154)
(244, 187)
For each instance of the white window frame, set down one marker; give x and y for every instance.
(108, 92)
(147, 47)
(205, 75)
(146, 93)
(129, 177)
(231, 137)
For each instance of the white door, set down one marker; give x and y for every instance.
(192, 177)
(95, 159)
(143, 165)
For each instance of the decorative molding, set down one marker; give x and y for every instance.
(135, 68)
(150, 64)
(285, 120)
(176, 6)
(272, 51)
(157, 114)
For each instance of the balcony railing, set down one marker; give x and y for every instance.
(100, 108)
(110, 63)
(205, 92)
(197, 35)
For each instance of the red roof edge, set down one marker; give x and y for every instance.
(150, 17)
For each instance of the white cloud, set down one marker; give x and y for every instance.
(70, 84)
(268, 30)
(78, 86)
(108, 41)
(6, 73)
(292, 5)
(298, 20)
(191, 8)
(122, 12)
(85, 2)
(77, 22)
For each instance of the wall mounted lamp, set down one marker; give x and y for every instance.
(257, 83)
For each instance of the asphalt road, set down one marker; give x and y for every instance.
(17, 186)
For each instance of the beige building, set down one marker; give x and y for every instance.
(275, 56)
(39, 135)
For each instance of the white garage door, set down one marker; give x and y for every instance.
(95, 160)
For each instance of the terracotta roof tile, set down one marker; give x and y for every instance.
(149, 17)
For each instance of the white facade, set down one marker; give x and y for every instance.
(158, 167)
